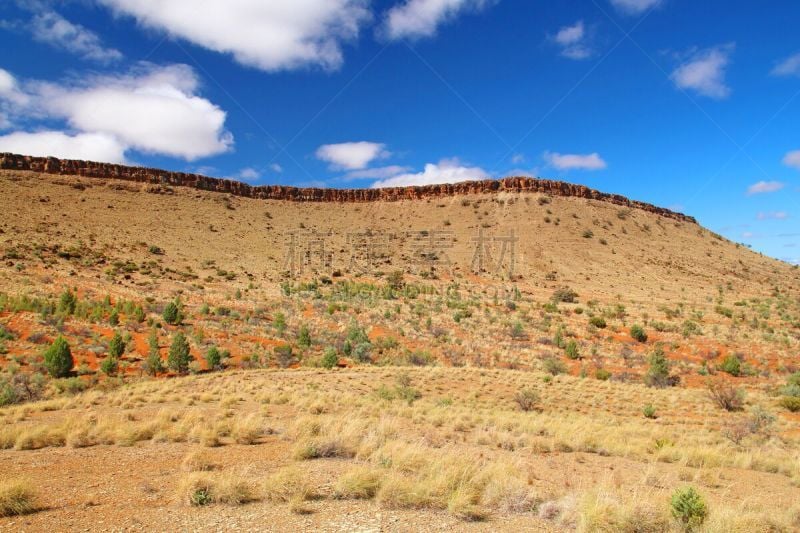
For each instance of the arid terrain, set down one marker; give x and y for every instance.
(482, 360)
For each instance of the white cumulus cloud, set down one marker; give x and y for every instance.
(269, 35)
(445, 171)
(151, 109)
(155, 110)
(351, 155)
(704, 72)
(51, 28)
(86, 146)
(788, 67)
(573, 41)
(634, 7)
(792, 159)
(762, 187)
(591, 161)
(421, 18)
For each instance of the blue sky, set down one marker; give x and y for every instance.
(689, 105)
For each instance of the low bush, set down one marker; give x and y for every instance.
(731, 365)
(598, 322)
(726, 396)
(688, 508)
(638, 333)
(527, 399)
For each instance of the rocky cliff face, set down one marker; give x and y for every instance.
(51, 165)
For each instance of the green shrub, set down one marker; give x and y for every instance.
(117, 346)
(649, 411)
(572, 350)
(213, 358)
(172, 314)
(688, 508)
(330, 358)
(179, 356)
(638, 333)
(67, 302)
(153, 364)
(284, 355)
(731, 365)
(279, 322)
(602, 374)
(792, 403)
(304, 337)
(109, 366)
(58, 358)
(598, 322)
(658, 373)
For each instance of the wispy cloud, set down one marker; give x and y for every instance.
(792, 159)
(51, 28)
(591, 161)
(414, 19)
(573, 41)
(773, 215)
(704, 72)
(788, 67)
(762, 187)
(634, 7)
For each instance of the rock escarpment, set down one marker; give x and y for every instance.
(51, 165)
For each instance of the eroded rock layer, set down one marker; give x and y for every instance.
(52, 165)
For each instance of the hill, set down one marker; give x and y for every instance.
(516, 323)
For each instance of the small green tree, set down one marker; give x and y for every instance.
(117, 346)
(517, 330)
(280, 323)
(113, 318)
(572, 350)
(658, 373)
(213, 358)
(304, 337)
(688, 508)
(283, 355)
(638, 333)
(179, 356)
(558, 338)
(67, 302)
(110, 365)
(330, 358)
(153, 364)
(138, 314)
(58, 358)
(731, 365)
(172, 314)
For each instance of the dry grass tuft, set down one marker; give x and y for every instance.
(198, 461)
(289, 484)
(202, 488)
(360, 483)
(17, 497)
